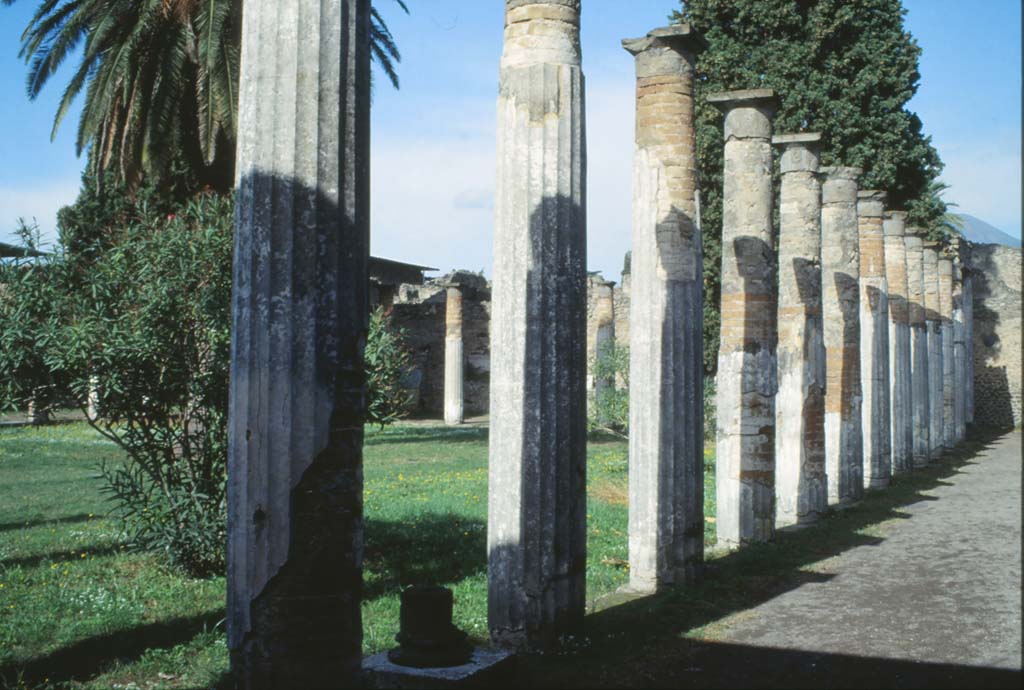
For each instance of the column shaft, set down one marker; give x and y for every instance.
(935, 350)
(666, 431)
(745, 466)
(901, 433)
(959, 355)
(840, 275)
(536, 529)
(874, 340)
(945, 267)
(918, 348)
(453, 357)
(801, 489)
(300, 310)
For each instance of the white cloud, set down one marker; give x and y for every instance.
(39, 202)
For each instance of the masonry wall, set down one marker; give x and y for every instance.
(996, 275)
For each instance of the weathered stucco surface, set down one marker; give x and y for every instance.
(996, 284)
(918, 348)
(900, 391)
(933, 321)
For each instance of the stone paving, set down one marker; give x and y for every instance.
(943, 586)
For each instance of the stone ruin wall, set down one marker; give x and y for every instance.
(420, 311)
(996, 277)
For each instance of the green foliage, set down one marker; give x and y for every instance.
(610, 409)
(160, 80)
(710, 409)
(387, 360)
(846, 68)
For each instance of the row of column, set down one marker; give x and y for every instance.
(789, 414)
(856, 368)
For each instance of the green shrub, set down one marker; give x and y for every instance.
(610, 409)
(388, 362)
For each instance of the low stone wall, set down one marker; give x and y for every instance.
(996, 277)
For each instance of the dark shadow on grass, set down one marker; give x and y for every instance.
(432, 549)
(44, 522)
(74, 555)
(88, 658)
(430, 434)
(638, 642)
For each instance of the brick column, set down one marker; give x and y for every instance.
(874, 340)
(945, 267)
(901, 433)
(745, 467)
(666, 430)
(840, 283)
(918, 347)
(453, 357)
(536, 527)
(933, 321)
(801, 490)
(299, 322)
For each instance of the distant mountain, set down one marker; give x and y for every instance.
(980, 232)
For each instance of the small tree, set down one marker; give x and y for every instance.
(387, 361)
(610, 411)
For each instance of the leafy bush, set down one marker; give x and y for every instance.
(610, 411)
(388, 362)
(148, 317)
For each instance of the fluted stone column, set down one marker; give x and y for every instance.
(801, 489)
(918, 348)
(840, 283)
(666, 419)
(959, 349)
(901, 433)
(92, 402)
(945, 266)
(299, 321)
(874, 340)
(453, 356)
(933, 320)
(968, 299)
(745, 466)
(536, 529)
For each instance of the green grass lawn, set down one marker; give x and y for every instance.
(79, 611)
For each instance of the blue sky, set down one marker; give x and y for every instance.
(433, 141)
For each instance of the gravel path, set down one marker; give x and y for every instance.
(943, 587)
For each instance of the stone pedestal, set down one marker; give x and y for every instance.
(453, 357)
(745, 467)
(918, 348)
(840, 276)
(536, 529)
(901, 434)
(935, 350)
(874, 340)
(801, 490)
(666, 425)
(299, 323)
(945, 267)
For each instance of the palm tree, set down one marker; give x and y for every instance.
(160, 80)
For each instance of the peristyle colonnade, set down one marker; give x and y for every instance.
(827, 383)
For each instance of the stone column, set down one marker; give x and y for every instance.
(745, 467)
(901, 433)
(918, 348)
(536, 529)
(600, 334)
(92, 402)
(299, 322)
(801, 489)
(666, 419)
(840, 276)
(932, 319)
(453, 356)
(968, 299)
(959, 349)
(945, 266)
(874, 340)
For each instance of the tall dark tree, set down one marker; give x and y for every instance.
(846, 68)
(160, 80)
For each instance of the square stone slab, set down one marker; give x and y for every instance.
(481, 671)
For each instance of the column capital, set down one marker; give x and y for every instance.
(800, 152)
(681, 38)
(842, 172)
(541, 32)
(871, 203)
(748, 113)
(894, 223)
